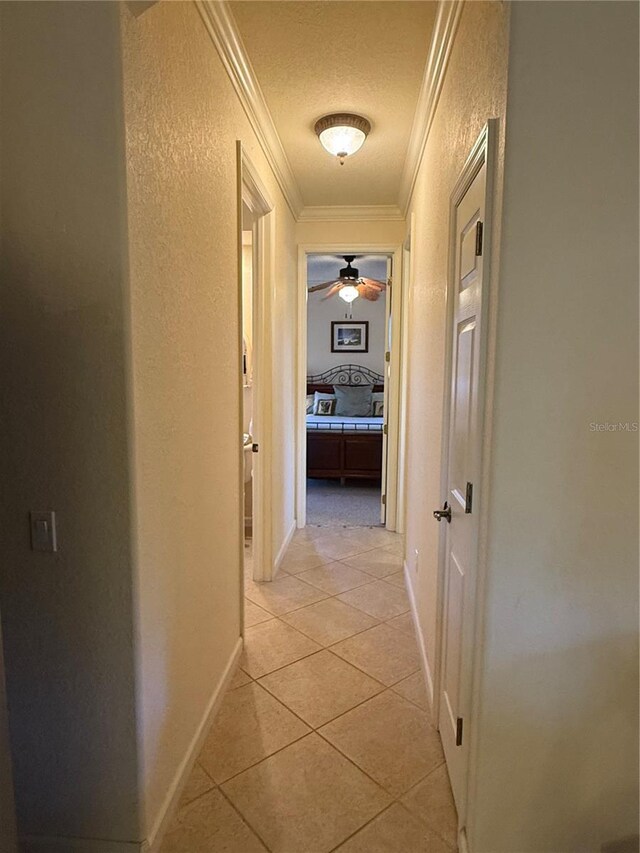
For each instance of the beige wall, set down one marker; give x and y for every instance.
(474, 90)
(284, 373)
(558, 759)
(7, 805)
(183, 119)
(67, 617)
(391, 232)
(122, 401)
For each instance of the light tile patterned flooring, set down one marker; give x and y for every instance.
(323, 742)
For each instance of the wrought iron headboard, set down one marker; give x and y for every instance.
(346, 374)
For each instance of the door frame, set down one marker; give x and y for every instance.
(482, 153)
(252, 193)
(407, 275)
(397, 393)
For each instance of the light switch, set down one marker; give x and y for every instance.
(43, 531)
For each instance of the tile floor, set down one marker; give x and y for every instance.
(323, 742)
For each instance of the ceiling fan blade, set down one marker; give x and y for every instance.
(371, 295)
(367, 292)
(323, 285)
(373, 282)
(336, 287)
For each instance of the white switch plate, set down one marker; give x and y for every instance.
(43, 531)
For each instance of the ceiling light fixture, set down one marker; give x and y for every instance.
(342, 134)
(349, 292)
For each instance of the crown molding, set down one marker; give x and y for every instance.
(343, 213)
(224, 34)
(444, 32)
(226, 38)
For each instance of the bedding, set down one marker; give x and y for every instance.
(353, 400)
(319, 397)
(340, 423)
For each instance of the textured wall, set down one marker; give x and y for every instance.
(361, 231)
(560, 674)
(8, 837)
(474, 91)
(183, 120)
(67, 617)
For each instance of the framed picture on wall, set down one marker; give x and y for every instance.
(349, 337)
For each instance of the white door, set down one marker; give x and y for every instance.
(387, 380)
(461, 473)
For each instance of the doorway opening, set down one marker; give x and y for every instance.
(346, 385)
(255, 268)
(247, 377)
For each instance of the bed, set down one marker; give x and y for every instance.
(341, 447)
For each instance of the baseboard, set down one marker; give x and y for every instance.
(419, 637)
(43, 844)
(174, 793)
(283, 548)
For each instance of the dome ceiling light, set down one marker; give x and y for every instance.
(342, 134)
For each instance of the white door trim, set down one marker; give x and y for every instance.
(483, 152)
(252, 192)
(405, 280)
(397, 391)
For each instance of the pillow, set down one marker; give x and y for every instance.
(326, 407)
(378, 409)
(309, 403)
(376, 397)
(353, 401)
(320, 396)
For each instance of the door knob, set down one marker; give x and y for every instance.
(445, 512)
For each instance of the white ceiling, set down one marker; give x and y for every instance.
(363, 56)
(326, 267)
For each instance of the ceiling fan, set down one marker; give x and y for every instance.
(350, 285)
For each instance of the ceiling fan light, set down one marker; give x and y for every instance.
(349, 292)
(342, 134)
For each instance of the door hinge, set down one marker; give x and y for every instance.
(389, 281)
(468, 498)
(459, 731)
(478, 238)
(387, 356)
(385, 429)
(384, 500)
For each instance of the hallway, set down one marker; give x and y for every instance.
(323, 741)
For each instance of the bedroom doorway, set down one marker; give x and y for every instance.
(347, 454)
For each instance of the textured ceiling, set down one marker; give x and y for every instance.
(363, 56)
